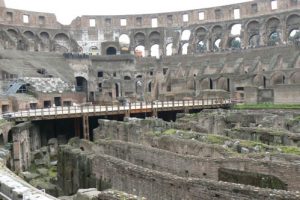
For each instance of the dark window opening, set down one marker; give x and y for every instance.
(117, 90)
(111, 51)
(170, 19)
(169, 88)
(57, 101)
(218, 14)
(100, 74)
(265, 82)
(139, 21)
(47, 104)
(33, 106)
(254, 8)
(127, 78)
(139, 76)
(240, 88)
(42, 20)
(81, 84)
(165, 70)
(110, 94)
(22, 89)
(100, 87)
(283, 80)
(151, 73)
(211, 85)
(114, 74)
(5, 108)
(9, 16)
(150, 87)
(107, 21)
(228, 85)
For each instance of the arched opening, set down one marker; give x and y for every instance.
(140, 51)
(94, 50)
(81, 84)
(154, 37)
(29, 35)
(294, 35)
(139, 87)
(184, 50)
(44, 35)
(186, 34)
(274, 39)
(139, 39)
(236, 29)
(111, 51)
(1, 140)
(169, 49)
(13, 34)
(201, 47)
(235, 43)
(127, 78)
(63, 42)
(149, 86)
(254, 41)
(124, 40)
(155, 51)
(117, 89)
(217, 44)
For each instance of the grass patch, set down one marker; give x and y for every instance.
(53, 172)
(265, 106)
(217, 139)
(290, 150)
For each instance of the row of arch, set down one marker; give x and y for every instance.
(43, 41)
(252, 34)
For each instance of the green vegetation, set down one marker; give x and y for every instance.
(290, 150)
(169, 132)
(265, 106)
(53, 172)
(217, 139)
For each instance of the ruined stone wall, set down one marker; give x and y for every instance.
(196, 167)
(25, 139)
(124, 176)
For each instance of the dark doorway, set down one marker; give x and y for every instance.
(228, 85)
(57, 101)
(111, 51)
(265, 82)
(47, 104)
(81, 84)
(117, 90)
(5, 108)
(211, 86)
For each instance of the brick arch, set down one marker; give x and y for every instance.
(154, 38)
(139, 39)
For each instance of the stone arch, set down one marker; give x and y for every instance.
(62, 42)
(154, 37)
(217, 35)
(81, 84)
(235, 29)
(44, 35)
(201, 39)
(278, 78)
(295, 78)
(111, 50)
(253, 33)
(127, 78)
(29, 35)
(273, 25)
(235, 43)
(13, 34)
(292, 22)
(139, 39)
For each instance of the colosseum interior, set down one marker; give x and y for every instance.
(145, 106)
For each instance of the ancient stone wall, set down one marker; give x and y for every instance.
(124, 176)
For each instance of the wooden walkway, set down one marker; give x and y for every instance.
(130, 108)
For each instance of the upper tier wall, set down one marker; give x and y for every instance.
(172, 19)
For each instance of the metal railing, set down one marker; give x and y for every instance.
(129, 107)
